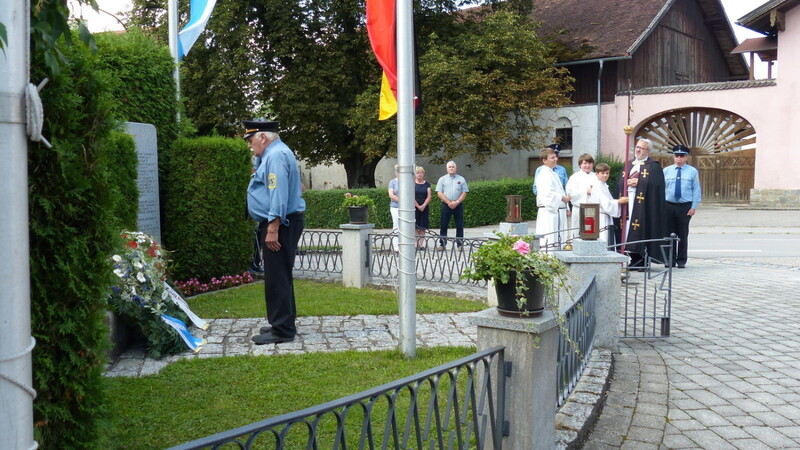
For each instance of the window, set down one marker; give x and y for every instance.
(564, 137)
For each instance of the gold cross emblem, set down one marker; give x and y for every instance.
(640, 197)
(644, 173)
(636, 225)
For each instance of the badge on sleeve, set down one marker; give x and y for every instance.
(272, 181)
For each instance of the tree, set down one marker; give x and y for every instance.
(484, 74)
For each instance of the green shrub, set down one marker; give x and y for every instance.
(122, 175)
(71, 207)
(203, 222)
(485, 204)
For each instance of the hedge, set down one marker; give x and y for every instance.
(485, 204)
(203, 222)
(71, 202)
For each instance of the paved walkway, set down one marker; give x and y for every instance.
(727, 377)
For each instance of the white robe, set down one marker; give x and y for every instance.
(577, 186)
(552, 215)
(609, 206)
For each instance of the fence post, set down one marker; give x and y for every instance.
(355, 257)
(530, 345)
(593, 256)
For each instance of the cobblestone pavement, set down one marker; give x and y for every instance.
(728, 377)
(227, 337)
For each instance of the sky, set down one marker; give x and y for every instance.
(105, 22)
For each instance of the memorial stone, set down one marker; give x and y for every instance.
(149, 217)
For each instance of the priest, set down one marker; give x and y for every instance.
(646, 208)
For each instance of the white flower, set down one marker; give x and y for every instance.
(116, 258)
(138, 264)
(119, 273)
(140, 277)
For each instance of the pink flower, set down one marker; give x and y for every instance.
(522, 247)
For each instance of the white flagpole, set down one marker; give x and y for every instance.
(405, 155)
(16, 343)
(172, 13)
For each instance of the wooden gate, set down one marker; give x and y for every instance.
(723, 149)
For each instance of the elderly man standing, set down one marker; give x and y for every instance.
(682, 191)
(452, 190)
(275, 200)
(646, 207)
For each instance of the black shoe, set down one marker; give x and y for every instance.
(269, 338)
(265, 329)
(681, 266)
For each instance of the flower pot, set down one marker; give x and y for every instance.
(358, 214)
(533, 301)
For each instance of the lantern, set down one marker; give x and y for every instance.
(590, 221)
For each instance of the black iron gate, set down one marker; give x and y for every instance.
(646, 305)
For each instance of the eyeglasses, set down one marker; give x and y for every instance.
(680, 156)
(641, 148)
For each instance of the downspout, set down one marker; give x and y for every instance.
(599, 98)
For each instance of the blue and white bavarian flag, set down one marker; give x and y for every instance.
(200, 11)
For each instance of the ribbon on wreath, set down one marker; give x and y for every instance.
(192, 342)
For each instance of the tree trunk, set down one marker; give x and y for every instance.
(360, 173)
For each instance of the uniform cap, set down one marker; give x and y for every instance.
(252, 127)
(555, 147)
(680, 150)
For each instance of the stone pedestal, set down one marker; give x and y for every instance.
(589, 257)
(531, 346)
(355, 241)
(520, 228)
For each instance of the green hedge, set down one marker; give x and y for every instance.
(203, 223)
(71, 206)
(485, 204)
(123, 173)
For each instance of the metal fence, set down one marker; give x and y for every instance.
(647, 291)
(580, 323)
(319, 252)
(458, 405)
(438, 259)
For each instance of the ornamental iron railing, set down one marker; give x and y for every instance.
(319, 252)
(458, 405)
(647, 290)
(579, 326)
(438, 259)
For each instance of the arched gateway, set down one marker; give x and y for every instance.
(723, 148)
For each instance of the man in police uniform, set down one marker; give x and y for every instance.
(682, 190)
(274, 199)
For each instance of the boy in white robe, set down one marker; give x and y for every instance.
(552, 202)
(577, 188)
(609, 206)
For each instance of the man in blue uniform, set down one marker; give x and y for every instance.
(682, 191)
(275, 200)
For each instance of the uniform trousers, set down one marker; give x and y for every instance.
(458, 215)
(678, 223)
(278, 278)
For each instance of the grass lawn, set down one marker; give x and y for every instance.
(321, 299)
(194, 398)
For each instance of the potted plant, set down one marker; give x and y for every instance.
(522, 277)
(358, 206)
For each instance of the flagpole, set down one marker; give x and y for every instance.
(405, 157)
(16, 343)
(172, 13)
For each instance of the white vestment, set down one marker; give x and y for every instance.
(577, 186)
(609, 206)
(552, 215)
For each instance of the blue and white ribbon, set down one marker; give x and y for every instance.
(192, 342)
(178, 300)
